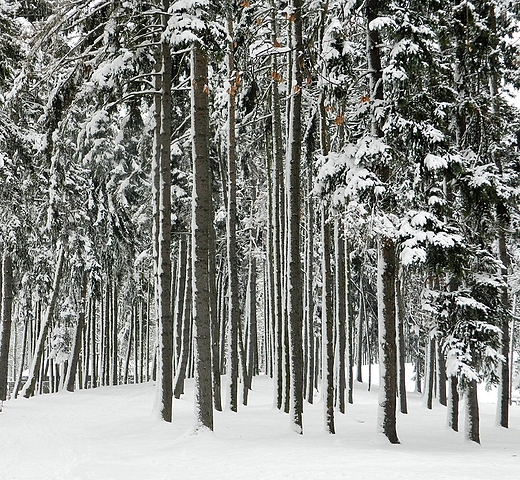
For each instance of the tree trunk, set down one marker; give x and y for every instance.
(472, 425)
(215, 324)
(22, 361)
(34, 369)
(294, 280)
(387, 344)
(185, 336)
(341, 316)
(201, 225)
(70, 379)
(430, 374)
(129, 348)
(401, 351)
(327, 328)
(5, 333)
(350, 324)
(441, 373)
(162, 155)
(309, 274)
(231, 225)
(180, 298)
(453, 403)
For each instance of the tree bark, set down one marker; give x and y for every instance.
(401, 351)
(24, 354)
(163, 242)
(472, 425)
(453, 403)
(231, 225)
(327, 327)
(430, 374)
(70, 378)
(341, 317)
(386, 252)
(294, 280)
(5, 333)
(34, 369)
(441, 373)
(201, 225)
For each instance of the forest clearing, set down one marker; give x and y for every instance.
(110, 434)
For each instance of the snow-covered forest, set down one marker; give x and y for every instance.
(313, 196)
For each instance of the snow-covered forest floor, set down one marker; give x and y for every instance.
(110, 433)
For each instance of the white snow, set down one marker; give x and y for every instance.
(109, 433)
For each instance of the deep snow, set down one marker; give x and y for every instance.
(110, 433)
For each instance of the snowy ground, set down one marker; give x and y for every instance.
(109, 433)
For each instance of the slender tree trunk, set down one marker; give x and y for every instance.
(6, 317)
(114, 373)
(70, 379)
(350, 324)
(441, 373)
(252, 337)
(359, 330)
(294, 280)
(327, 328)
(163, 242)
(472, 425)
(430, 374)
(22, 361)
(453, 403)
(215, 324)
(231, 225)
(185, 336)
(129, 347)
(34, 369)
(387, 344)
(503, 400)
(180, 298)
(309, 274)
(278, 225)
(201, 224)
(341, 316)
(93, 349)
(386, 254)
(401, 351)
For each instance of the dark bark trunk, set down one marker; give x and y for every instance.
(34, 369)
(430, 374)
(401, 351)
(327, 326)
(6, 317)
(231, 225)
(387, 344)
(441, 373)
(472, 425)
(163, 241)
(279, 306)
(24, 354)
(70, 379)
(341, 316)
(185, 336)
(453, 403)
(201, 224)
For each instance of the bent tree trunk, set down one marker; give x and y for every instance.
(34, 369)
